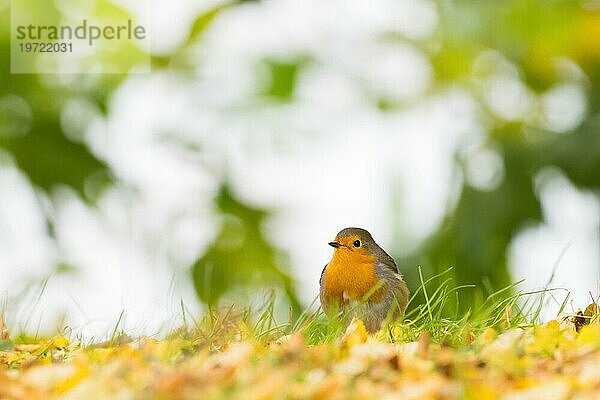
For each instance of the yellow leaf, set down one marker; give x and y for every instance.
(59, 343)
(355, 333)
(589, 335)
(396, 332)
(81, 372)
(481, 391)
(11, 358)
(101, 355)
(487, 336)
(546, 339)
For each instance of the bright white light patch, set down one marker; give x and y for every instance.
(566, 242)
(563, 107)
(508, 97)
(484, 169)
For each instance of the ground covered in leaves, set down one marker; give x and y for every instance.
(555, 360)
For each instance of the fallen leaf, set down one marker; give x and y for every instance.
(3, 329)
(355, 333)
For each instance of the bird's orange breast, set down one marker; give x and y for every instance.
(351, 276)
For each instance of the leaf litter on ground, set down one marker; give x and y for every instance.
(496, 354)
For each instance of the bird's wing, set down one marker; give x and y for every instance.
(389, 262)
(322, 272)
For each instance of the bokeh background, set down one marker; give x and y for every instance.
(462, 134)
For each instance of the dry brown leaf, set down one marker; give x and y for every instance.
(591, 310)
(3, 329)
(424, 341)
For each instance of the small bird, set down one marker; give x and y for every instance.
(362, 281)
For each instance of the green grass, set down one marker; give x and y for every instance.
(446, 350)
(439, 315)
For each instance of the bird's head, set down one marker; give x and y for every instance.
(355, 243)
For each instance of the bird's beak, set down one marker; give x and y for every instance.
(335, 244)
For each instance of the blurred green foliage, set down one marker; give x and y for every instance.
(241, 256)
(533, 35)
(32, 131)
(282, 79)
(30, 117)
(474, 236)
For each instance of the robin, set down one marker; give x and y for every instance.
(362, 280)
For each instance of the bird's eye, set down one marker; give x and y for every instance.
(356, 243)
